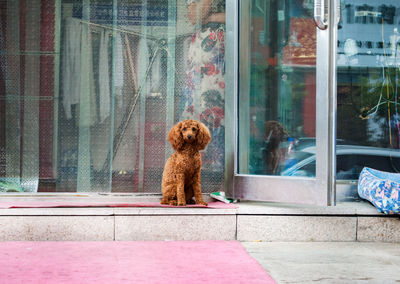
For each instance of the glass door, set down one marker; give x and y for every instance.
(284, 115)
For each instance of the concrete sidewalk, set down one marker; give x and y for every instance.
(328, 262)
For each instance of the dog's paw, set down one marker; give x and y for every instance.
(202, 203)
(190, 201)
(182, 203)
(172, 202)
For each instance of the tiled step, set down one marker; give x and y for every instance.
(349, 221)
(251, 221)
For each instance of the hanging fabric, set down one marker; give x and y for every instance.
(84, 183)
(72, 67)
(118, 69)
(100, 134)
(142, 61)
(72, 63)
(156, 74)
(104, 76)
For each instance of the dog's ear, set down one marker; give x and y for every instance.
(203, 137)
(175, 137)
(284, 134)
(274, 130)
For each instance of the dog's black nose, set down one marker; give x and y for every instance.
(189, 136)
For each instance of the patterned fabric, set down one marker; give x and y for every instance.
(204, 89)
(381, 189)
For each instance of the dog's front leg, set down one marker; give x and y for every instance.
(197, 189)
(180, 189)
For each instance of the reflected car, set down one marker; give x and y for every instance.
(350, 160)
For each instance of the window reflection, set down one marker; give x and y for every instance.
(282, 89)
(277, 118)
(367, 94)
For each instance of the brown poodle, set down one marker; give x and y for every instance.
(274, 135)
(181, 177)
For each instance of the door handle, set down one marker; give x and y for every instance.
(319, 14)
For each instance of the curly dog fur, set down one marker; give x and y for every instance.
(181, 177)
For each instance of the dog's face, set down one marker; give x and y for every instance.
(189, 130)
(274, 131)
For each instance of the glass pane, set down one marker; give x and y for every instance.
(277, 100)
(89, 90)
(368, 127)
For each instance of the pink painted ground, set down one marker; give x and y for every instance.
(129, 262)
(53, 204)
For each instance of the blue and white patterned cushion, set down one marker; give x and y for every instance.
(381, 189)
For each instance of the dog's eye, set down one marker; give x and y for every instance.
(184, 129)
(194, 129)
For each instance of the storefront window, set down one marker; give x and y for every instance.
(89, 90)
(368, 127)
(277, 103)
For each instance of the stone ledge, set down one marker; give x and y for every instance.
(182, 228)
(251, 221)
(244, 208)
(109, 211)
(103, 211)
(296, 228)
(344, 208)
(360, 208)
(56, 228)
(376, 229)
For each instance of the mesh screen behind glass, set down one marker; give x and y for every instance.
(90, 90)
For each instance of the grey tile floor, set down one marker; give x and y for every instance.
(328, 262)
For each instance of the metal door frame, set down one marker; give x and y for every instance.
(322, 189)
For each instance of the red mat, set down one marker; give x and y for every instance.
(129, 262)
(51, 204)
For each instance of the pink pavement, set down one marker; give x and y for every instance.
(129, 262)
